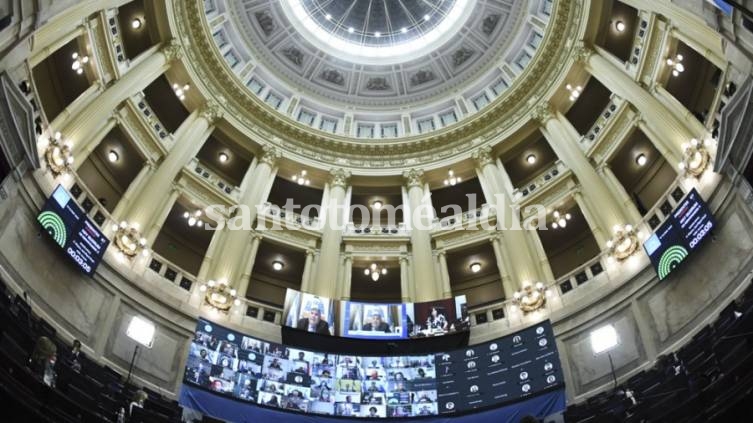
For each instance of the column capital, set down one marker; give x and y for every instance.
(347, 257)
(414, 178)
(543, 112)
(256, 236)
(270, 155)
(441, 253)
(403, 258)
(173, 50)
(211, 111)
(483, 156)
(310, 252)
(339, 177)
(582, 51)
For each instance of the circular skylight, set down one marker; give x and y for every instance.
(378, 31)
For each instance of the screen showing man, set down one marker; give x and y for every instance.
(309, 312)
(377, 324)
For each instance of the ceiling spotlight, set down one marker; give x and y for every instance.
(377, 204)
(113, 156)
(531, 159)
(180, 92)
(620, 26)
(475, 267)
(301, 178)
(351, 30)
(641, 160)
(451, 178)
(277, 265)
(377, 34)
(327, 16)
(224, 157)
(136, 23)
(427, 17)
(404, 30)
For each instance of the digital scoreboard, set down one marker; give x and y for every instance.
(72, 230)
(681, 234)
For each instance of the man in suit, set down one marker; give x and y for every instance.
(314, 323)
(377, 325)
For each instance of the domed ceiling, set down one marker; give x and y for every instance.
(378, 55)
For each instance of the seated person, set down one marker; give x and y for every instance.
(436, 320)
(314, 323)
(372, 412)
(377, 324)
(42, 360)
(75, 357)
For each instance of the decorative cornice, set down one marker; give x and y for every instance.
(265, 125)
(270, 155)
(582, 52)
(211, 111)
(543, 112)
(339, 177)
(414, 178)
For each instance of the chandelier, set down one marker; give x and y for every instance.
(219, 295)
(194, 219)
(128, 239)
(78, 63)
(695, 158)
(676, 65)
(531, 298)
(375, 271)
(452, 179)
(624, 242)
(59, 155)
(180, 91)
(301, 178)
(560, 219)
(575, 92)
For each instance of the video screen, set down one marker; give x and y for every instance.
(363, 320)
(310, 313)
(272, 375)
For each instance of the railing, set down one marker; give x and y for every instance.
(543, 179)
(639, 43)
(376, 230)
(113, 35)
(168, 271)
(464, 219)
(90, 203)
(214, 180)
(152, 120)
(602, 122)
(261, 311)
(295, 220)
(30, 92)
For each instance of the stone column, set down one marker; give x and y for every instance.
(191, 136)
(662, 121)
(136, 186)
(585, 207)
(563, 138)
(306, 279)
(626, 202)
(508, 286)
(254, 240)
(405, 293)
(81, 127)
(333, 215)
(230, 264)
(346, 276)
(427, 286)
(516, 242)
(444, 274)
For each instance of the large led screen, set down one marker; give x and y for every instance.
(266, 374)
(682, 233)
(72, 230)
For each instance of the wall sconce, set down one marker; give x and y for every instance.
(676, 65)
(695, 158)
(375, 271)
(78, 63)
(560, 220)
(624, 242)
(531, 298)
(452, 180)
(575, 92)
(59, 155)
(194, 219)
(301, 178)
(219, 295)
(128, 239)
(180, 91)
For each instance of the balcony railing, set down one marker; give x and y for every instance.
(152, 120)
(170, 272)
(215, 181)
(376, 230)
(545, 178)
(291, 219)
(602, 122)
(90, 204)
(464, 219)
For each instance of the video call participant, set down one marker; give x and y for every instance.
(314, 323)
(436, 320)
(377, 324)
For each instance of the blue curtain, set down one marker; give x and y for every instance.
(238, 412)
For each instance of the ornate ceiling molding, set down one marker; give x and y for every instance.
(266, 126)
